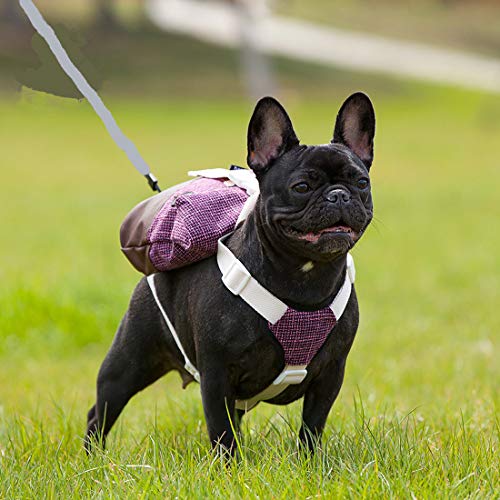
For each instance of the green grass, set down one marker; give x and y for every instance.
(417, 414)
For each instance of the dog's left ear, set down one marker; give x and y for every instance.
(355, 126)
(270, 134)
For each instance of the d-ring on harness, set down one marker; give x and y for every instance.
(239, 281)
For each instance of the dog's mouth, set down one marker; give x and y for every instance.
(339, 230)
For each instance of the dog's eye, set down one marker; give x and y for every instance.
(363, 183)
(301, 187)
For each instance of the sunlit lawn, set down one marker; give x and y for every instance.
(416, 415)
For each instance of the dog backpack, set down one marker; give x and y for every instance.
(182, 225)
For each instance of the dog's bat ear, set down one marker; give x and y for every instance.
(270, 134)
(355, 126)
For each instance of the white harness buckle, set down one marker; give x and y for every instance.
(190, 368)
(291, 376)
(236, 278)
(351, 270)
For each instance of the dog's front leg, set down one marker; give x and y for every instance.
(318, 401)
(218, 405)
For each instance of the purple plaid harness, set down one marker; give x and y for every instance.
(300, 334)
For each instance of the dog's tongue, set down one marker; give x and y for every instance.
(314, 237)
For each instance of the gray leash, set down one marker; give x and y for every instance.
(121, 140)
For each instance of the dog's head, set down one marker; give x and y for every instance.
(315, 200)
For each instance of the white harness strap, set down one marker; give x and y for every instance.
(187, 363)
(243, 178)
(239, 281)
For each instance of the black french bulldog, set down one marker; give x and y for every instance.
(314, 205)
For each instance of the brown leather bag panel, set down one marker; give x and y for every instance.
(134, 229)
(139, 258)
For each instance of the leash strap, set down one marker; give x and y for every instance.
(123, 142)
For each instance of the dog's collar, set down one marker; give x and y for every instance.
(239, 281)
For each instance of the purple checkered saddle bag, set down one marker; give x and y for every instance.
(182, 225)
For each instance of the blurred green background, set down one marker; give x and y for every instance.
(428, 268)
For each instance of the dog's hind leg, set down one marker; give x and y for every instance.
(140, 355)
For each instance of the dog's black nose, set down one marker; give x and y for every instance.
(338, 196)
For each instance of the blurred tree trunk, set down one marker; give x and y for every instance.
(256, 68)
(106, 17)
